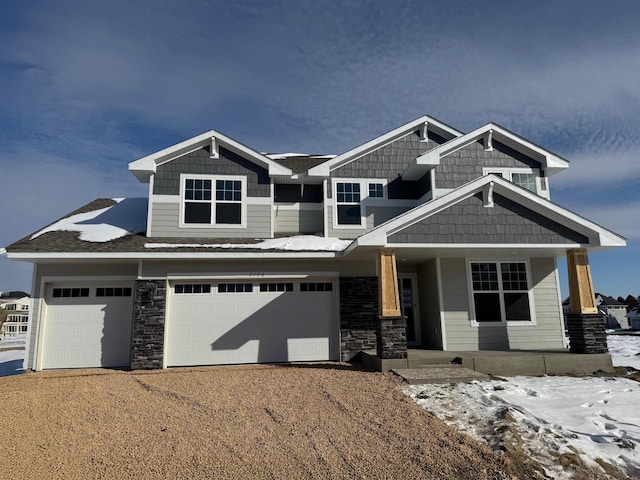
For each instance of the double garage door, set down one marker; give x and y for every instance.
(207, 323)
(247, 321)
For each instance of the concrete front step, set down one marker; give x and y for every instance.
(439, 374)
(509, 363)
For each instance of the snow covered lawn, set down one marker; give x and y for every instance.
(551, 418)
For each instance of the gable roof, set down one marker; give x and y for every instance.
(144, 167)
(324, 169)
(550, 161)
(599, 237)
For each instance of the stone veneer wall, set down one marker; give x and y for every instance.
(147, 343)
(358, 315)
(391, 338)
(586, 334)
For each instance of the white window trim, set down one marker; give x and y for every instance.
(503, 322)
(507, 175)
(365, 200)
(213, 178)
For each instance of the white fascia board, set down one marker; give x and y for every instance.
(552, 162)
(324, 169)
(168, 255)
(2, 251)
(145, 166)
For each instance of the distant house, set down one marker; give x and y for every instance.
(613, 311)
(237, 256)
(634, 318)
(16, 311)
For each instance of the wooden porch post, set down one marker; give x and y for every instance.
(582, 295)
(584, 325)
(391, 330)
(389, 296)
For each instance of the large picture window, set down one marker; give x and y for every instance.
(500, 291)
(213, 201)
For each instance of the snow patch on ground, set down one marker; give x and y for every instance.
(126, 217)
(624, 350)
(592, 417)
(295, 243)
(11, 362)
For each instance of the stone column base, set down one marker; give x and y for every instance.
(586, 333)
(391, 338)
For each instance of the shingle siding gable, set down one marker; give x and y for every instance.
(389, 161)
(466, 164)
(167, 178)
(470, 222)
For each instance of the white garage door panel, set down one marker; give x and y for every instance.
(251, 327)
(87, 332)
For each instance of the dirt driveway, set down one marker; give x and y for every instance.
(326, 421)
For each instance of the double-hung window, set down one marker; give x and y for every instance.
(500, 291)
(213, 200)
(348, 203)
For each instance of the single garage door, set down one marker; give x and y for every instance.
(87, 325)
(246, 321)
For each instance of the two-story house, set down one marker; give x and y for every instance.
(17, 315)
(613, 312)
(243, 257)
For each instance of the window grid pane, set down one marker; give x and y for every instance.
(525, 180)
(376, 190)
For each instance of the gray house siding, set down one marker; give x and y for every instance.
(374, 217)
(466, 164)
(167, 177)
(470, 222)
(545, 332)
(430, 327)
(297, 220)
(166, 218)
(389, 161)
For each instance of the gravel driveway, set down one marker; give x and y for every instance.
(303, 421)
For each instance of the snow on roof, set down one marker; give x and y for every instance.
(126, 217)
(281, 156)
(295, 243)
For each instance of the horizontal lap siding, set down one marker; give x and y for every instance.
(547, 333)
(374, 216)
(294, 220)
(461, 335)
(166, 217)
(455, 298)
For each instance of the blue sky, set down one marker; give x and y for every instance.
(89, 86)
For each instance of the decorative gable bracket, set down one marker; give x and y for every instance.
(488, 195)
(214, 149)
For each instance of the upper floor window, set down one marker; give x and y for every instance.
(351, 198)
(500, 291)
(349, 209)
(213, 200)
(526, 178)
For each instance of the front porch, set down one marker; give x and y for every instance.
(506, 363)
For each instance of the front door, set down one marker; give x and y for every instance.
(409, 308)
